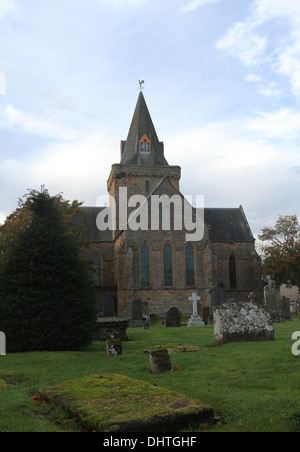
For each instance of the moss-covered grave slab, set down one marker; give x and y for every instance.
(117, 403)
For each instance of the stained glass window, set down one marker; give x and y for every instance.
(189, 265)
(97, 269)
(168, 266)
(145, 266)
(232, 272)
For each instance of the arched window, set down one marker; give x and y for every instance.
(145, 266)
(97, 271)
(168, 266)
(189, 266)
(232, 272)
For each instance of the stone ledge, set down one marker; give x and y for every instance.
(111, 328)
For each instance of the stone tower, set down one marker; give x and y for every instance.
(143, 165)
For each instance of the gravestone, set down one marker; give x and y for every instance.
(109, 306)
(137, 313)
(286, 308)
(195, 320)
(205, 315)
(273, 303)
(114, 347)
(216, 298)
(2, 344)
(242, 321)
(173, 318)
(160, 361)
(153, 319)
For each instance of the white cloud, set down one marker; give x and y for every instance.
(117, 4)
(242, 42)
(271, 90)
(192, 5)
(283, 124)
(231, 164)
(278, 48)
(6, 6)
(79, 170)
(253, 78)
(11, 118)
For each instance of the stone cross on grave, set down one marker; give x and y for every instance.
(194, 298)
(195, 320)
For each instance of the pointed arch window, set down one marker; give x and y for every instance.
(145, 266)
(97, 271)
(232, 272)
(168, 265)
(189, 265)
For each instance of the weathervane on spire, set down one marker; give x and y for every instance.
(141, 82)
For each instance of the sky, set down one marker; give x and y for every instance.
(222, 84)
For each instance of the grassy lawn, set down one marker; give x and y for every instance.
(254, 387)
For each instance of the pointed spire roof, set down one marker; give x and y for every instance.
(142, 130)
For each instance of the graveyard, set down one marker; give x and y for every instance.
(251, 386)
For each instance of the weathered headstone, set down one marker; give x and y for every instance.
(273, 303)
(114, 347)
(153, 319)
(195, 320)
(286, 308)
(216, 298)
(109, 306)
(205, 314)
(137, 313)
(146, 324)
(160, 361)
(2, 344)
(173, 318)
(242, 321)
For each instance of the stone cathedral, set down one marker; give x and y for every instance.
(158, 265)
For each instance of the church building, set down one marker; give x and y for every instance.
(150, 254)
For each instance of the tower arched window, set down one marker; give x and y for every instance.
(145, 266)
(168, 265)
(189, 265)
(232, 272)
(97, 271)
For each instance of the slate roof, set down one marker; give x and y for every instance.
(88, 219)
(142, 124)
(228, 225)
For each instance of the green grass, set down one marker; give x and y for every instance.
(254, 387)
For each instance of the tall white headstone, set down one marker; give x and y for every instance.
(195, 320)
(2, 344)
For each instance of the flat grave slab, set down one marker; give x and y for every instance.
(117, 403)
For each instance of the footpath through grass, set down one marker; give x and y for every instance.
(253, 387)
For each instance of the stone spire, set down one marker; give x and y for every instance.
(142, 146)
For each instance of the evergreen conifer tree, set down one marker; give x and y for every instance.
(46, 295)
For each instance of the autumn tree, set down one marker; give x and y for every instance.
(21, 217)
(46, 295)
(281, 251)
